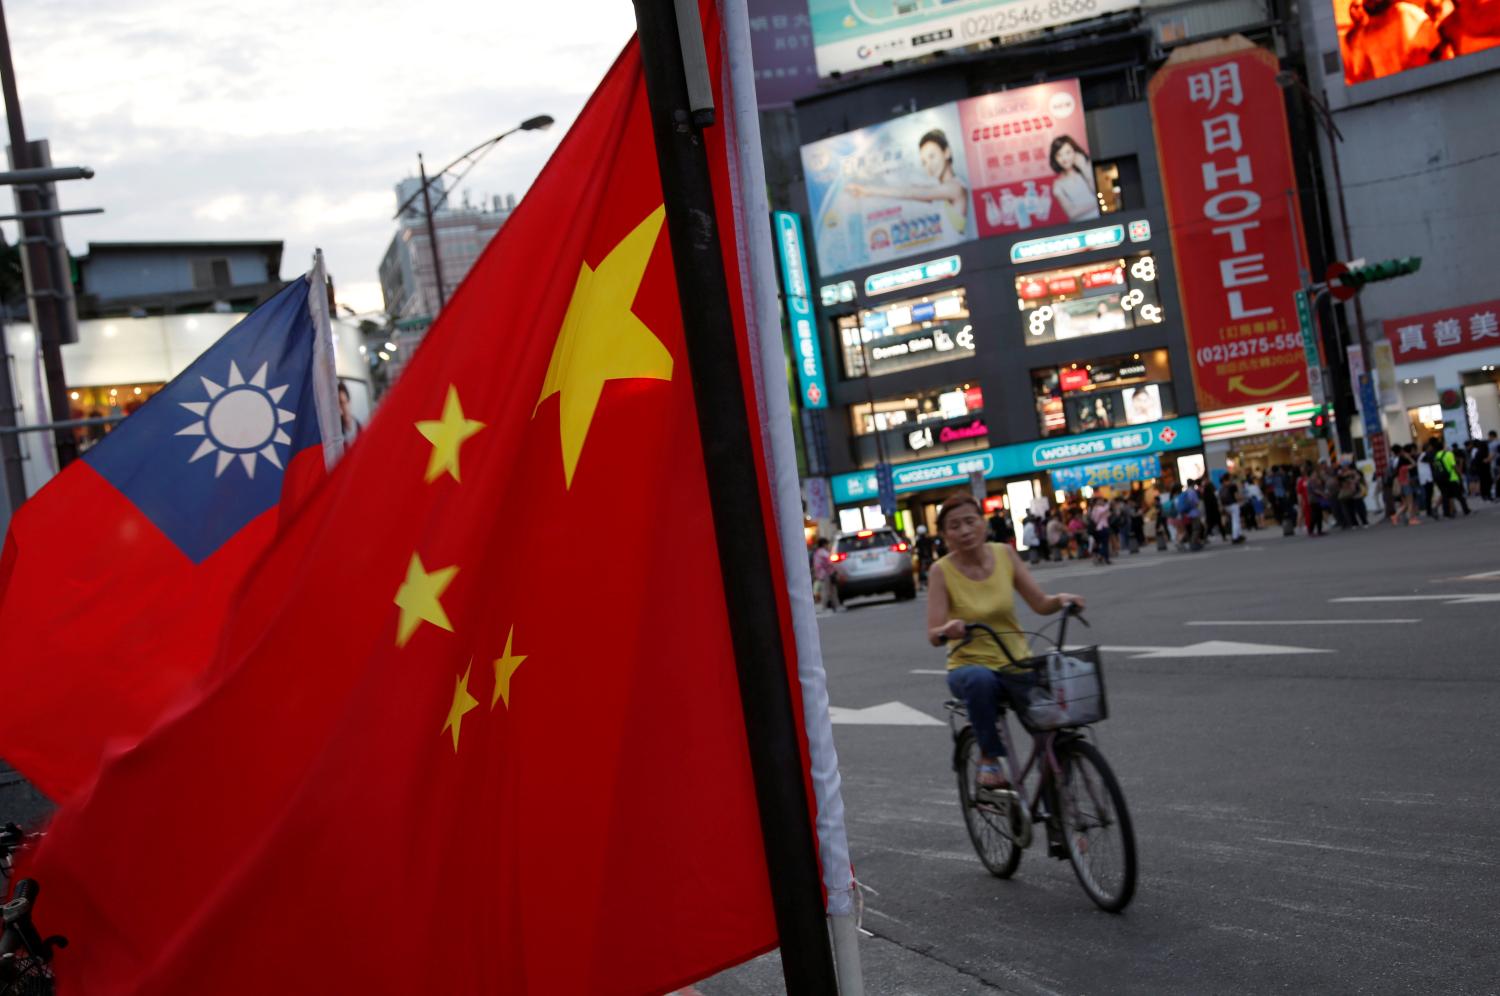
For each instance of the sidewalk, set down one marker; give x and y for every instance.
(889, 970)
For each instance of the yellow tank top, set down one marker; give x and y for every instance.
(992, 602)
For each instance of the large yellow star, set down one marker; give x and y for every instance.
(446, 435)
(601, 338)
(505, 667)
(418, 598)
(462, 703)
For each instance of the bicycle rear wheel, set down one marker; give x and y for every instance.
(1096, 826)
(988, 824)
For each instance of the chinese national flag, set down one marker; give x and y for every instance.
(475, 724)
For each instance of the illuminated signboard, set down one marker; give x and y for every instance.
(1255, 420)
(1066, 245)
(913, 276)
(849, 35)
(799, 310)
(1021, 459)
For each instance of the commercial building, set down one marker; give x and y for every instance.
(408, 277)
(1414, 111)
(993, 265)
(136, 279)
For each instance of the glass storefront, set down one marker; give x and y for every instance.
(105, 401)
(1089, 299)
(940, 420)
(1130, 389)
(903, 335)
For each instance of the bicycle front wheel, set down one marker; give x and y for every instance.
(988, 823)
(1096, 826)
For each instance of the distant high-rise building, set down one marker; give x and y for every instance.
(407, 276)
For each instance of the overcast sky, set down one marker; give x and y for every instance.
(290, 120)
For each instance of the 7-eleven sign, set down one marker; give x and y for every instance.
(1255, 420)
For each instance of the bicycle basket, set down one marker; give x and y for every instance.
(1069, 690)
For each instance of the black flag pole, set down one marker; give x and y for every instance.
(744, 555)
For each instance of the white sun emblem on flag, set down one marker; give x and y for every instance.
(239, 420)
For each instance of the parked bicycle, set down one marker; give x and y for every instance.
(1065, 785)
(25, 956)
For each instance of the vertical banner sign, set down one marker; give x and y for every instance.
(1310, 347)
(799, 310)
(1029, 158)
(1222, 142)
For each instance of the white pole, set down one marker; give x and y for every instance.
(763, 320)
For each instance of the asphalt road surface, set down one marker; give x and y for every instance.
(1320, 815)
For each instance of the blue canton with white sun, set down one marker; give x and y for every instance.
(206, 454)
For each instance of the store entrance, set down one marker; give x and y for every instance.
(1258, 454)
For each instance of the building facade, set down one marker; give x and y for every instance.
(993, 276)
(408, 276)
(124, 279)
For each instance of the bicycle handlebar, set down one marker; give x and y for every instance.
(1068, 609)
(16, 916)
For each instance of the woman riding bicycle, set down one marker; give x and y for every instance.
(977, 583)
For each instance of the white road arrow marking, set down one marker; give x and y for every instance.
(1299, 622)
(1215, 648)
(1465, 599)
(885, 714)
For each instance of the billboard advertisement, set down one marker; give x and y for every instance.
(781, 49)
(1439, 333)
(856, 34)
(1029, 158)
(1379, 38)
(1221, 137)
(887, 191)
(799, 310)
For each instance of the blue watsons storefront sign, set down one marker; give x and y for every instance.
(1024, 459)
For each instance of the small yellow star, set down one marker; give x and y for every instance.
(446, 435)
(601, 339)
(418, 598)
(505, 667)
(462, 703)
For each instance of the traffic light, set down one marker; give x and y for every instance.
(1357, 277)
(1322, 422)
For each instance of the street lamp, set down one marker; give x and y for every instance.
(469, 159)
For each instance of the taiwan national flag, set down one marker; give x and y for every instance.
(116, 577)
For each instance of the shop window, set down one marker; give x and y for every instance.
(1130, 389)
(210, 273)
(1089, 299)
(1118, 183)
(113, 400)
(943, 420)
(906, 334)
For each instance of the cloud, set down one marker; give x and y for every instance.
(294, 121)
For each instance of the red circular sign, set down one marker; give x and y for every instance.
(1339, 291)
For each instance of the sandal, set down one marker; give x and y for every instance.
(992, 778)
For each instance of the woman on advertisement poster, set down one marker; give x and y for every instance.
(1074, 189)
(949, 191)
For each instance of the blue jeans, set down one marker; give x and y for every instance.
(981, 689)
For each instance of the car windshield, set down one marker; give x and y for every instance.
(867, 541)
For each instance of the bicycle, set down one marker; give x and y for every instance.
(1073, 792)
(25, 956)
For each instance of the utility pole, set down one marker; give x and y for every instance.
(43, 255)
(437, 257)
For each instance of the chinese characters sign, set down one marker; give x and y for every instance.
(1222, 142)
(1116, 473)
(1438, 333)
(781, 47)
(1028, 158)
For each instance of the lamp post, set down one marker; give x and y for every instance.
(538, 123)
(1287, 80)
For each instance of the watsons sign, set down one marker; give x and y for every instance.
(1023, 459)
(1066, 245)
(1131, 440)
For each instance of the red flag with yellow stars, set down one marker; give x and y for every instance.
(475, 726)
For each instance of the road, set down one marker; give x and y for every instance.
(1308, 822)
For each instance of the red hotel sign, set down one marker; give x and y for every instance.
(1438, 333)
(1226, 162)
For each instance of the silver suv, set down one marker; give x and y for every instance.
(872, 561)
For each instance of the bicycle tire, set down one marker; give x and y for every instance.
(1089, 798)
(989, 830)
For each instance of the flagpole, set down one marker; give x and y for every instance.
(764, 311)
(734, 491)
